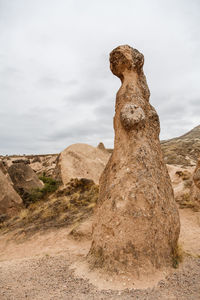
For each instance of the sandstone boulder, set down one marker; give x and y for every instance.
(4, 169)
(24, 179)
(3, 166)
(10, 201)
(81, 161)
(101, 146)
(181, 179)
(44, 165)
(36, 159)
(136, 223)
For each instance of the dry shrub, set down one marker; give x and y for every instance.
(177, 255)
(66, 206)
(50, 186)
(188, 183)
(185, 201)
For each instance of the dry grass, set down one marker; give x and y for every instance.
(178, 255)
(188, 183)
(185, 201)
(66, 206)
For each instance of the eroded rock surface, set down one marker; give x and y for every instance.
(101, 146)
(136, 224)
(24, 179)
(10, 201)
(81, 161)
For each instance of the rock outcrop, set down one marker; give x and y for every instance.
(136, 223)
(3, 167)
(24, 161)
(10, 201)
(81, 161)
(181, 179)
(101, 146)
(195, 189)
(24, 179)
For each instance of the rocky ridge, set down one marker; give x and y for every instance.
(183, 150)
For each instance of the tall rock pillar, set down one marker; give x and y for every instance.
(136, 224)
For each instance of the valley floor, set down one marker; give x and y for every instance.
(42, 266)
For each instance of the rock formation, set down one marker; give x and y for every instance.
(136, 225)
(24, 179)
(181, 179)
(3, 167)
(10, 201)
(24, 161)
(195, 189)
(101, 146)
(81, 161)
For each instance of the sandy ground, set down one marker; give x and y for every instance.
(50, 265)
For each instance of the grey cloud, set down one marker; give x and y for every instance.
(195, 102)
(56, 85)
(106, 110)
(10, 70)
(83, 130)
(53, 83)
(171, 111)
(195, 111)
(86, 95)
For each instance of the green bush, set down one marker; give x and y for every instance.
(50, 186)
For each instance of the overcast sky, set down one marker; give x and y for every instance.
(56, 87)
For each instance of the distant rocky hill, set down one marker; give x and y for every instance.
(183, 150)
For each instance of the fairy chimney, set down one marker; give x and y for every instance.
(136, 224)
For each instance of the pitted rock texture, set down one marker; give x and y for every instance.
(10, 201)
(136, 224)
(195, 189)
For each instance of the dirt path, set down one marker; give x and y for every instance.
(41, 267)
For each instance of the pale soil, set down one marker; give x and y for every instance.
(48, 266)
(190, 231)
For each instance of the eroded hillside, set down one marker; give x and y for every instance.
(183, 150)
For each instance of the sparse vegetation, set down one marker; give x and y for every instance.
(50, 186)
(188, 183)
(184, 150)
(185, 202)
(185, 175)
(67, 205)
(177, 255)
